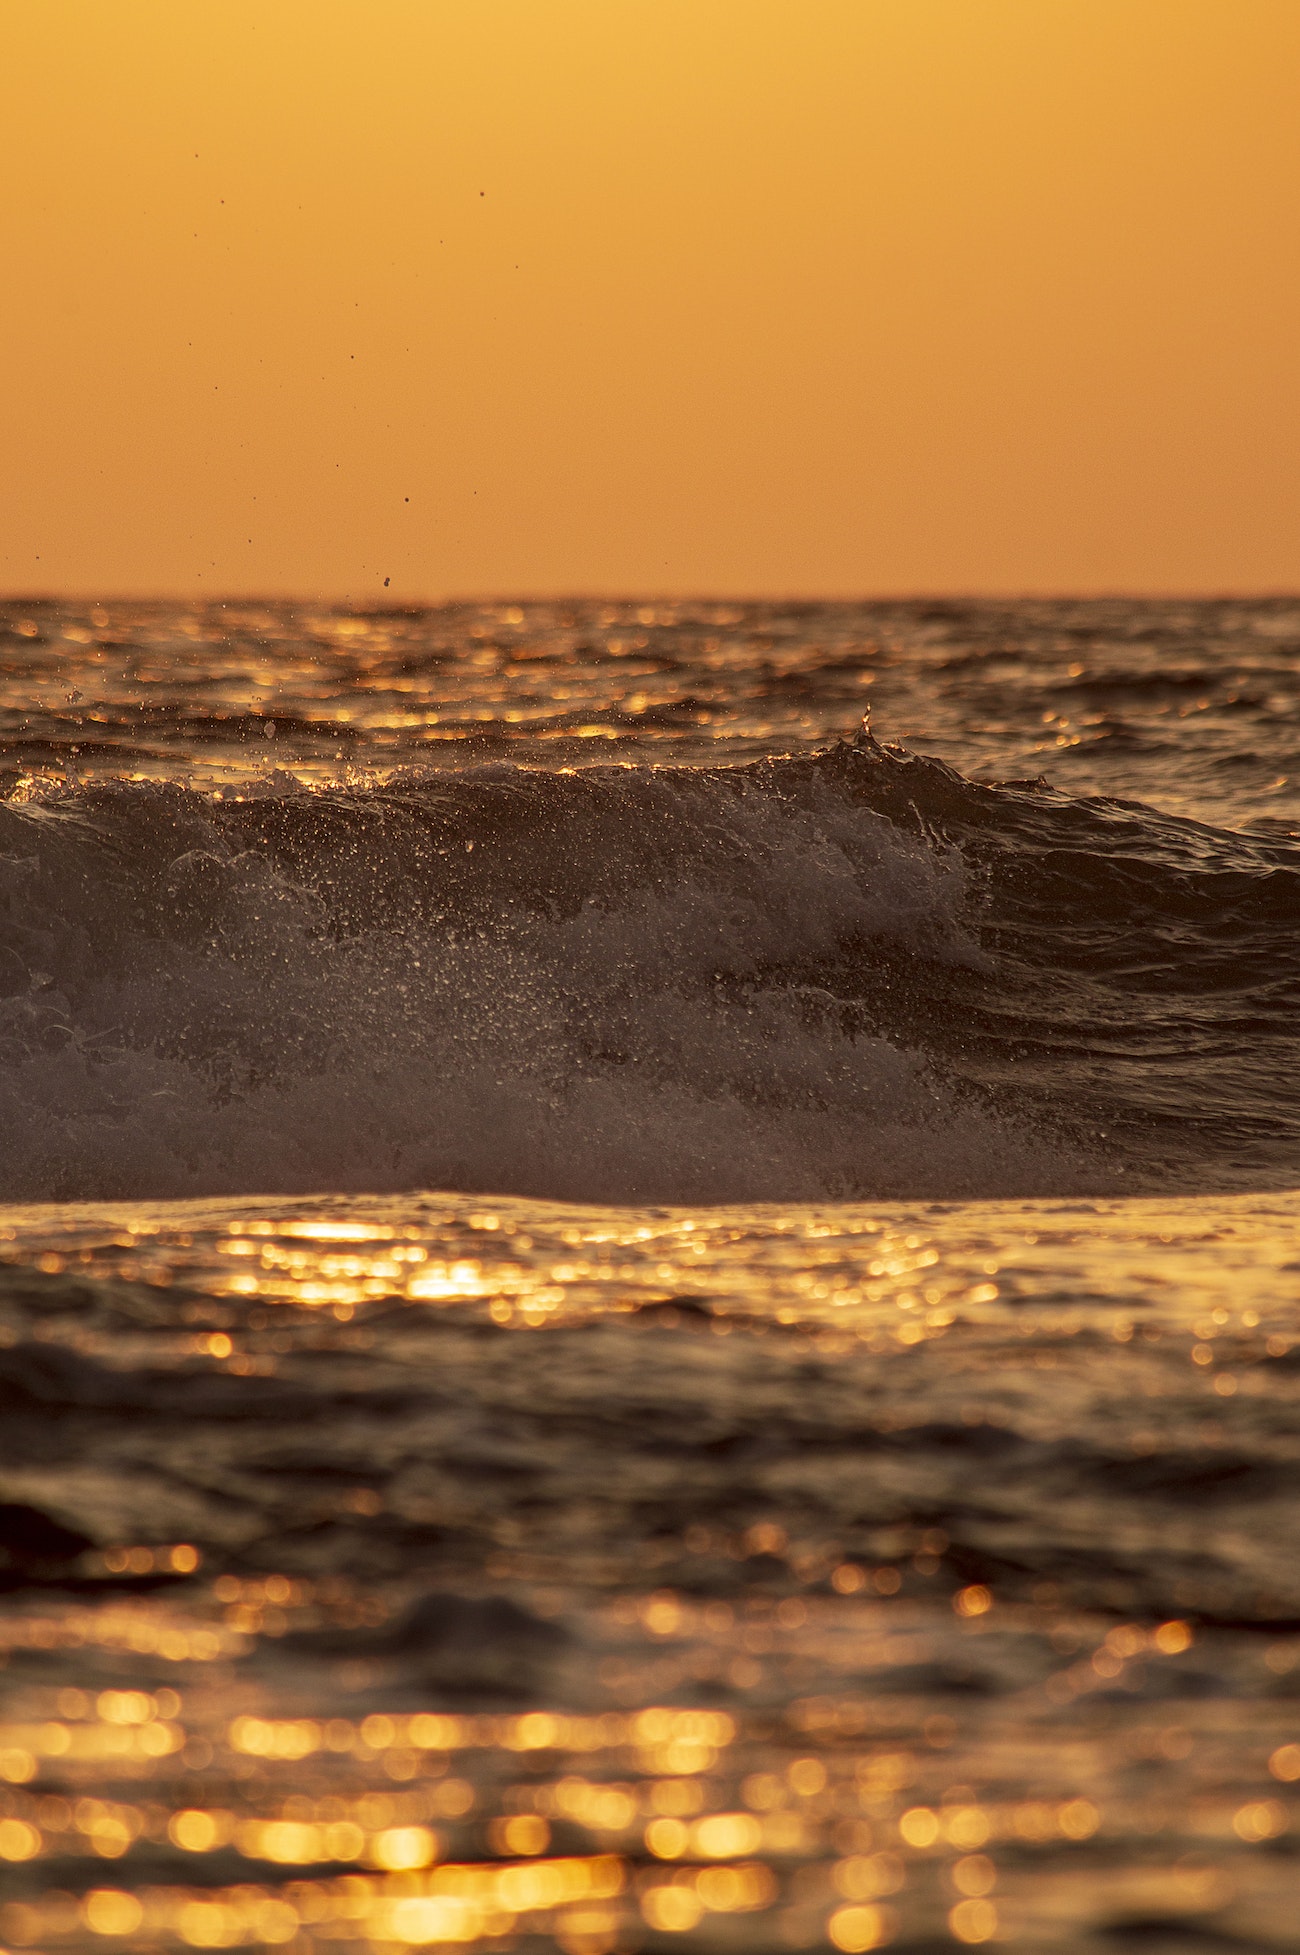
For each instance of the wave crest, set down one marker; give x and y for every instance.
(853, 974)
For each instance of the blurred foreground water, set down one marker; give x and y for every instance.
(433, 1572)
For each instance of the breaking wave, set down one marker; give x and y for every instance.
(856, 974)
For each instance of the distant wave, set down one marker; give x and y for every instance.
(850, 974)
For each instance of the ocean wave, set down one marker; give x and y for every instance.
(855, 973)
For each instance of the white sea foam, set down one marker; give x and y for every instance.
(190, 1019)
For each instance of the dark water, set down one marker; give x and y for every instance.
(632, 1318)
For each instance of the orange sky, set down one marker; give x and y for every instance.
(742, 296)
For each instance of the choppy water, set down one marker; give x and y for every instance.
(631, 1319)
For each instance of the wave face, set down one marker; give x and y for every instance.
(848, 974)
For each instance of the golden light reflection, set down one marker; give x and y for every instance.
(1284, 1764)
(764, 1751)
(856, 1929)
(889, 1282)
(865, 1877)
(458, 1902)
(685, 1854)
(973, 1921)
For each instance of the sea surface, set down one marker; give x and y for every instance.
(650, 1277)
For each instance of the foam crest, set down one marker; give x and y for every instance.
(855, 974)
(651, 1014)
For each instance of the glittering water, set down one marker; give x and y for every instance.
(794, 1496)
